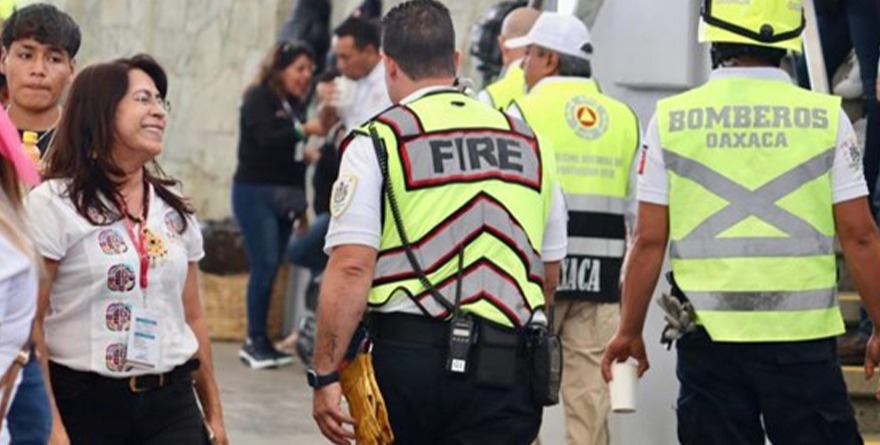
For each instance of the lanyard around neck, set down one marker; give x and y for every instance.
(138, 238)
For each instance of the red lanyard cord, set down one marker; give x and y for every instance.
(139, 239)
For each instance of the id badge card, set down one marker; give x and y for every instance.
(144, 339)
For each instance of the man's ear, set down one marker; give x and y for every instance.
(72, 71)
(457, 60)
(552, 64)
(391, 68)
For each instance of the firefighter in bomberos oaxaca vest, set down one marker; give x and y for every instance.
(448, 226)
(750, 178)
(595, 139)
(511, 83)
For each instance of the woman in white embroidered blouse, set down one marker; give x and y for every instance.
(121, 325)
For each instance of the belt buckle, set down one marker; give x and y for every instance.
(133, 386)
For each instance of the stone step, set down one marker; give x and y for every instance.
(849, 306)
(854, 376)
(867, 408)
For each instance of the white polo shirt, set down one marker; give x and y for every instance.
(360, 222)
(370, 98)
(18, 302)
(97, 284)
(847, 177)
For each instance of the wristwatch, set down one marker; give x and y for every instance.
(318, 381)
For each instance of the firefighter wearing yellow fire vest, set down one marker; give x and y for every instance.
(511, 82)
(448, 223)
(750, 178)
(595, 139)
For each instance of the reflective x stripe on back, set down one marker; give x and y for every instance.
(483, 214)
(703, 241)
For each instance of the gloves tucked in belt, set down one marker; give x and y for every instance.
(680, 318)
(365, 402)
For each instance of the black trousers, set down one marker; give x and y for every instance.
(732, 392)
(101, 411)
(428, 406)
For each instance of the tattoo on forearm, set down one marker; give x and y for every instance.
(332, 343)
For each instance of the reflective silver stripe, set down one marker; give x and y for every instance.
(483, 214)
(702, 241)
(482, 281)
(755, 247)
(578, 245)
(595, 203)
(477, 154)
(764, 301)
(405, 122)
(521, 127)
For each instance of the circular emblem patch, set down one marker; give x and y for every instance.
(114, 357)
(588, 118)
(118, 317)
(120, 278)
(111, 242)
(173, 223)
(343, 193)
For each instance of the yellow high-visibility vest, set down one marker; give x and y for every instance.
(469, 181)
(750, 208)
(595, 139)
(509, 87)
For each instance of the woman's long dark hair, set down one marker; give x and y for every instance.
(280, 57)
(81, 152)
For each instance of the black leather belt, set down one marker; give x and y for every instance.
(428, 331)
(135, 384)
(409, 328)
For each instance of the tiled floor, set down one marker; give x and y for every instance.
(274, 407)
(268, 407)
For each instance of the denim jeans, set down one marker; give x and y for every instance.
(265, 214)
(307, 250)
(29, 418)
(856, 25)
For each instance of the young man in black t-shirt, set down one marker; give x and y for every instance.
(40, 43)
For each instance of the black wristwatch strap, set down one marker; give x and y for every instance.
(318, 381)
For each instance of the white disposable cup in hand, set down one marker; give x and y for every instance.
(623, 385)
(343, 97)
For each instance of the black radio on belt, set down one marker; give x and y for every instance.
(461, 329)
(461, 336)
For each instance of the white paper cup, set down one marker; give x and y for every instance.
(344, 96)
(623, 385)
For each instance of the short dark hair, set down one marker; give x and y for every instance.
(364, 32)
(44, 23)
(81, 152)
(721, 52)
(419, 36)
(572, 66)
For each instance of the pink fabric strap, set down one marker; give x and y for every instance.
(10, 149)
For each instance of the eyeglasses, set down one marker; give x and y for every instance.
(147, 100)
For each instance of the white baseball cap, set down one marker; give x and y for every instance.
(563, 33)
